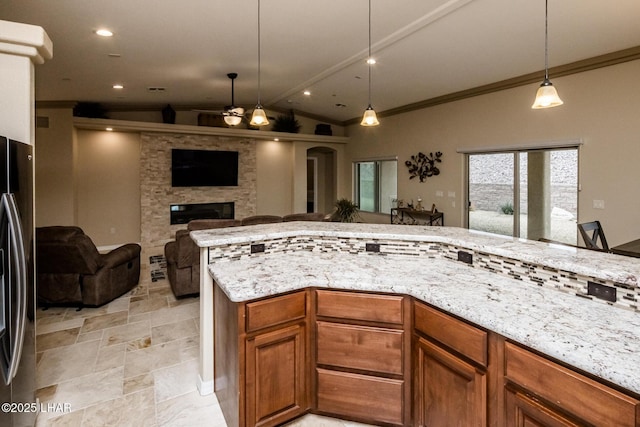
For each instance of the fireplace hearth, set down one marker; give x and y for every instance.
(182, 214)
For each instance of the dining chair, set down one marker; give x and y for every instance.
(591, 232)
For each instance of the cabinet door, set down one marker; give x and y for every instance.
(448, 390)
(523, 411)
(276, 378)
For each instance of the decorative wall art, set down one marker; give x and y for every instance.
(423, 166)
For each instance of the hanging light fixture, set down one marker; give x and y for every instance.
(233, 115)
(369, 118)
(547, 96)
(259, 118)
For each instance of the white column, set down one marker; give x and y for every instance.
(21, 47)
(205, 375)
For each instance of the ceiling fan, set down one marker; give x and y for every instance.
(232, 115)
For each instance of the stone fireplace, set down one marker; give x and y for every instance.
(158, 196)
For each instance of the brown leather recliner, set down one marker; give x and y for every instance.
(183, 256)
(71, 271)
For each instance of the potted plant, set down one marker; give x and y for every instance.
(346, 211)
(286, 123)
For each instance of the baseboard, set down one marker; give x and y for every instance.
(204, 387)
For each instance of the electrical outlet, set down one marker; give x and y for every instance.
(452, 194)
(439, 193)
(372, 247)
(607, 293)
(257, 248)
(465, 257)
(112, 230)
(598, 204)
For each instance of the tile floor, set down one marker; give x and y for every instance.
(132, 362)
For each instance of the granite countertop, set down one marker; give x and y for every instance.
(597, 338)
(621, 269)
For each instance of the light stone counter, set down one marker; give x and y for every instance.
(597, 337)
(616, 268)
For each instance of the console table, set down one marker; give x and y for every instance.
(413, 216)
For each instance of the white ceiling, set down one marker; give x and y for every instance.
(424, 48)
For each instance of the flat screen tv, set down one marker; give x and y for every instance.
(203, 168)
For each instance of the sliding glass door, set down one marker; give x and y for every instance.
(531, 193)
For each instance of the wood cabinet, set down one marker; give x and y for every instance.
(261, 359)
(362, 365)
(450, 371)
(391, 360)
(540, 392)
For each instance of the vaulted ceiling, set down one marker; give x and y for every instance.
(424, 49)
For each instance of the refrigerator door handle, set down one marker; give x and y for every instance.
(17, 251)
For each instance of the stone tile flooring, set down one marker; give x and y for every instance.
(132, 362)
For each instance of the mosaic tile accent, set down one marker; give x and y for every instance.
(558, 280)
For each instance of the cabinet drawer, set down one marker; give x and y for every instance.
(360, 306)
(585, 398)
(360, 347)
(360, 396)
(277, 310)
(453, 333)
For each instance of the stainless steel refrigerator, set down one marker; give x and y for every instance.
(17, 290)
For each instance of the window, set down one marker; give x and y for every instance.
(376, 185)
(525, 193)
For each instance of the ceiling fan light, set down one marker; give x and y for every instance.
(232, 119)
(547, 96)
(369, 118)
(259, 117)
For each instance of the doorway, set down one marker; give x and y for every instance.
(321, 179)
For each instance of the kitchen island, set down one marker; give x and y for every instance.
(532, 294)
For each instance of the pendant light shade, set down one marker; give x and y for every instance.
(259, 118)
(547, 95)
(369, 118)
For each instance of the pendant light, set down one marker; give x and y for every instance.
(259, 118)
(369, 118)
(547, 96)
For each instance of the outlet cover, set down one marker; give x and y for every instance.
(372, 247)
(257, 248)
(465, 257)
(607, 293)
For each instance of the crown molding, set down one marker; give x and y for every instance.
(614, 58)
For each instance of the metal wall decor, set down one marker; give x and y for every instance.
(423, 166)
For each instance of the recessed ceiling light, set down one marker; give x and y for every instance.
(307, 92)
(118, 86)
(109, 129)
(276, 139)
(371, 61)
(103, 32)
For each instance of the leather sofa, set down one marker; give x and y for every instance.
(71, 271)
(183, 256)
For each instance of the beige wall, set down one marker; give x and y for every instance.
(601, 108)
(275, 174)
(108, 186)
(54, 169)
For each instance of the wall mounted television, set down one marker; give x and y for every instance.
(204, 168)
